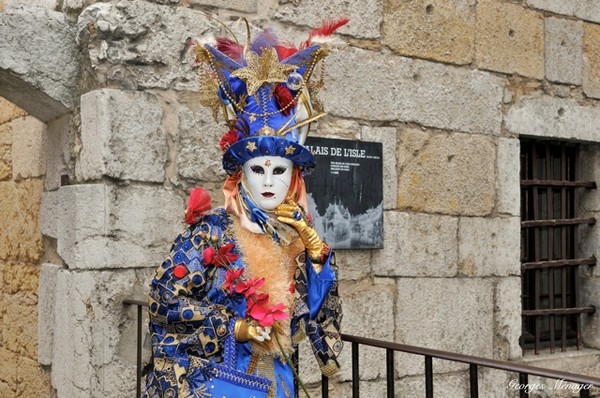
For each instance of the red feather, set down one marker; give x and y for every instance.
(284, 52)
(198, 205)
(230, 48)
(328, 28)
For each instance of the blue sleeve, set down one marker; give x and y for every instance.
(318, 285)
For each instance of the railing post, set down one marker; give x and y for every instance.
(428, 376)
(355, 373)
(523, 380)
(473, 381)
(324, 387)
(389, 369)
(139, 352)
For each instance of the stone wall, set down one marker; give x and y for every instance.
(447, 87)
(22, 169)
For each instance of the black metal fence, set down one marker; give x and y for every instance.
(524, 371)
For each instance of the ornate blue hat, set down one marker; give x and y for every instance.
(266, 93)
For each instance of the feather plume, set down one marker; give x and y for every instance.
(230, 48)
(265, 39)
(326, 29)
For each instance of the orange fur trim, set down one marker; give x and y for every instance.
(264, 258)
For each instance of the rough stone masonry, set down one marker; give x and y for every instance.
(102, 136)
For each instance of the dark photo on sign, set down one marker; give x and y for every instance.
(346, 192)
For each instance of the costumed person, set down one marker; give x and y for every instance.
(246, 282)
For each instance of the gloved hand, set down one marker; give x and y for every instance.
(290, 213)
(244, 331)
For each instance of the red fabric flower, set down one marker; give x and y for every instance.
(198, 204)
(292, 288)
(223, 257)
(228, 139)
(267, 315)
(249, 287)
(257, 299)
(231, 278)
(284, 97)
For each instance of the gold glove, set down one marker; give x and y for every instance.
(244, 331)
(290, 213)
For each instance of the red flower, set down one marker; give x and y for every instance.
(228, 139)
(223, 257)
(257, 299)
(284, 97)
(249, 287)
(198, 204)
(266, 316)
(231, 279)
(292, 288)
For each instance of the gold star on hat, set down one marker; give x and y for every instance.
(289, 150)
(263, 69)
(251, 146)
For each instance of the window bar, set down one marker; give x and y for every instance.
(428, 376)
(473, 381)
(550, 244)
(389, 361)
(563, 248)
(523, 380)
(536, 250)
(575, 273)
(355, 373)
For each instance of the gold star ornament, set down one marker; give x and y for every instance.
(289, 150)
(263, 69)
(251, 146)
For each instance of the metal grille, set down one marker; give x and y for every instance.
(549, 262)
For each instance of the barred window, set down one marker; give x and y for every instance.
(549, 259)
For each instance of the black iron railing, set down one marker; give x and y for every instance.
(524, 371)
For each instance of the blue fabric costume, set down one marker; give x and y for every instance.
(190, 310)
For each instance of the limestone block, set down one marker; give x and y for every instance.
(32, 380)
(58, 151)
(90, 323)
(553, 118)
(412, 90)
(447, 385)
(40, 78)
(28, 148)
(489, 246)
(591, 60)
(590, 295)
(9, 111)
(19, 328)
(422, 319)
(148, 218)
(446, 173)
(417, 245)
(198, 154)
(5, 151)
(366, 388)
(589, 158)
(509, 39)
(8, 374)
(588, 10)
(122, 136)
(509, 183)
(128, 41)
(507, 318)
(439, 30)
(365, 16)
(19, 208)
(353, 264)
(49, 4)
(109, 227)
(388, 137)
(368, 309)
(564, 41)
(332, 127)
(45, 310)
(249, 6)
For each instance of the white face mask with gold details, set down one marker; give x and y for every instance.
(268, 179)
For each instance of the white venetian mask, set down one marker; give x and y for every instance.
(268, 179)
